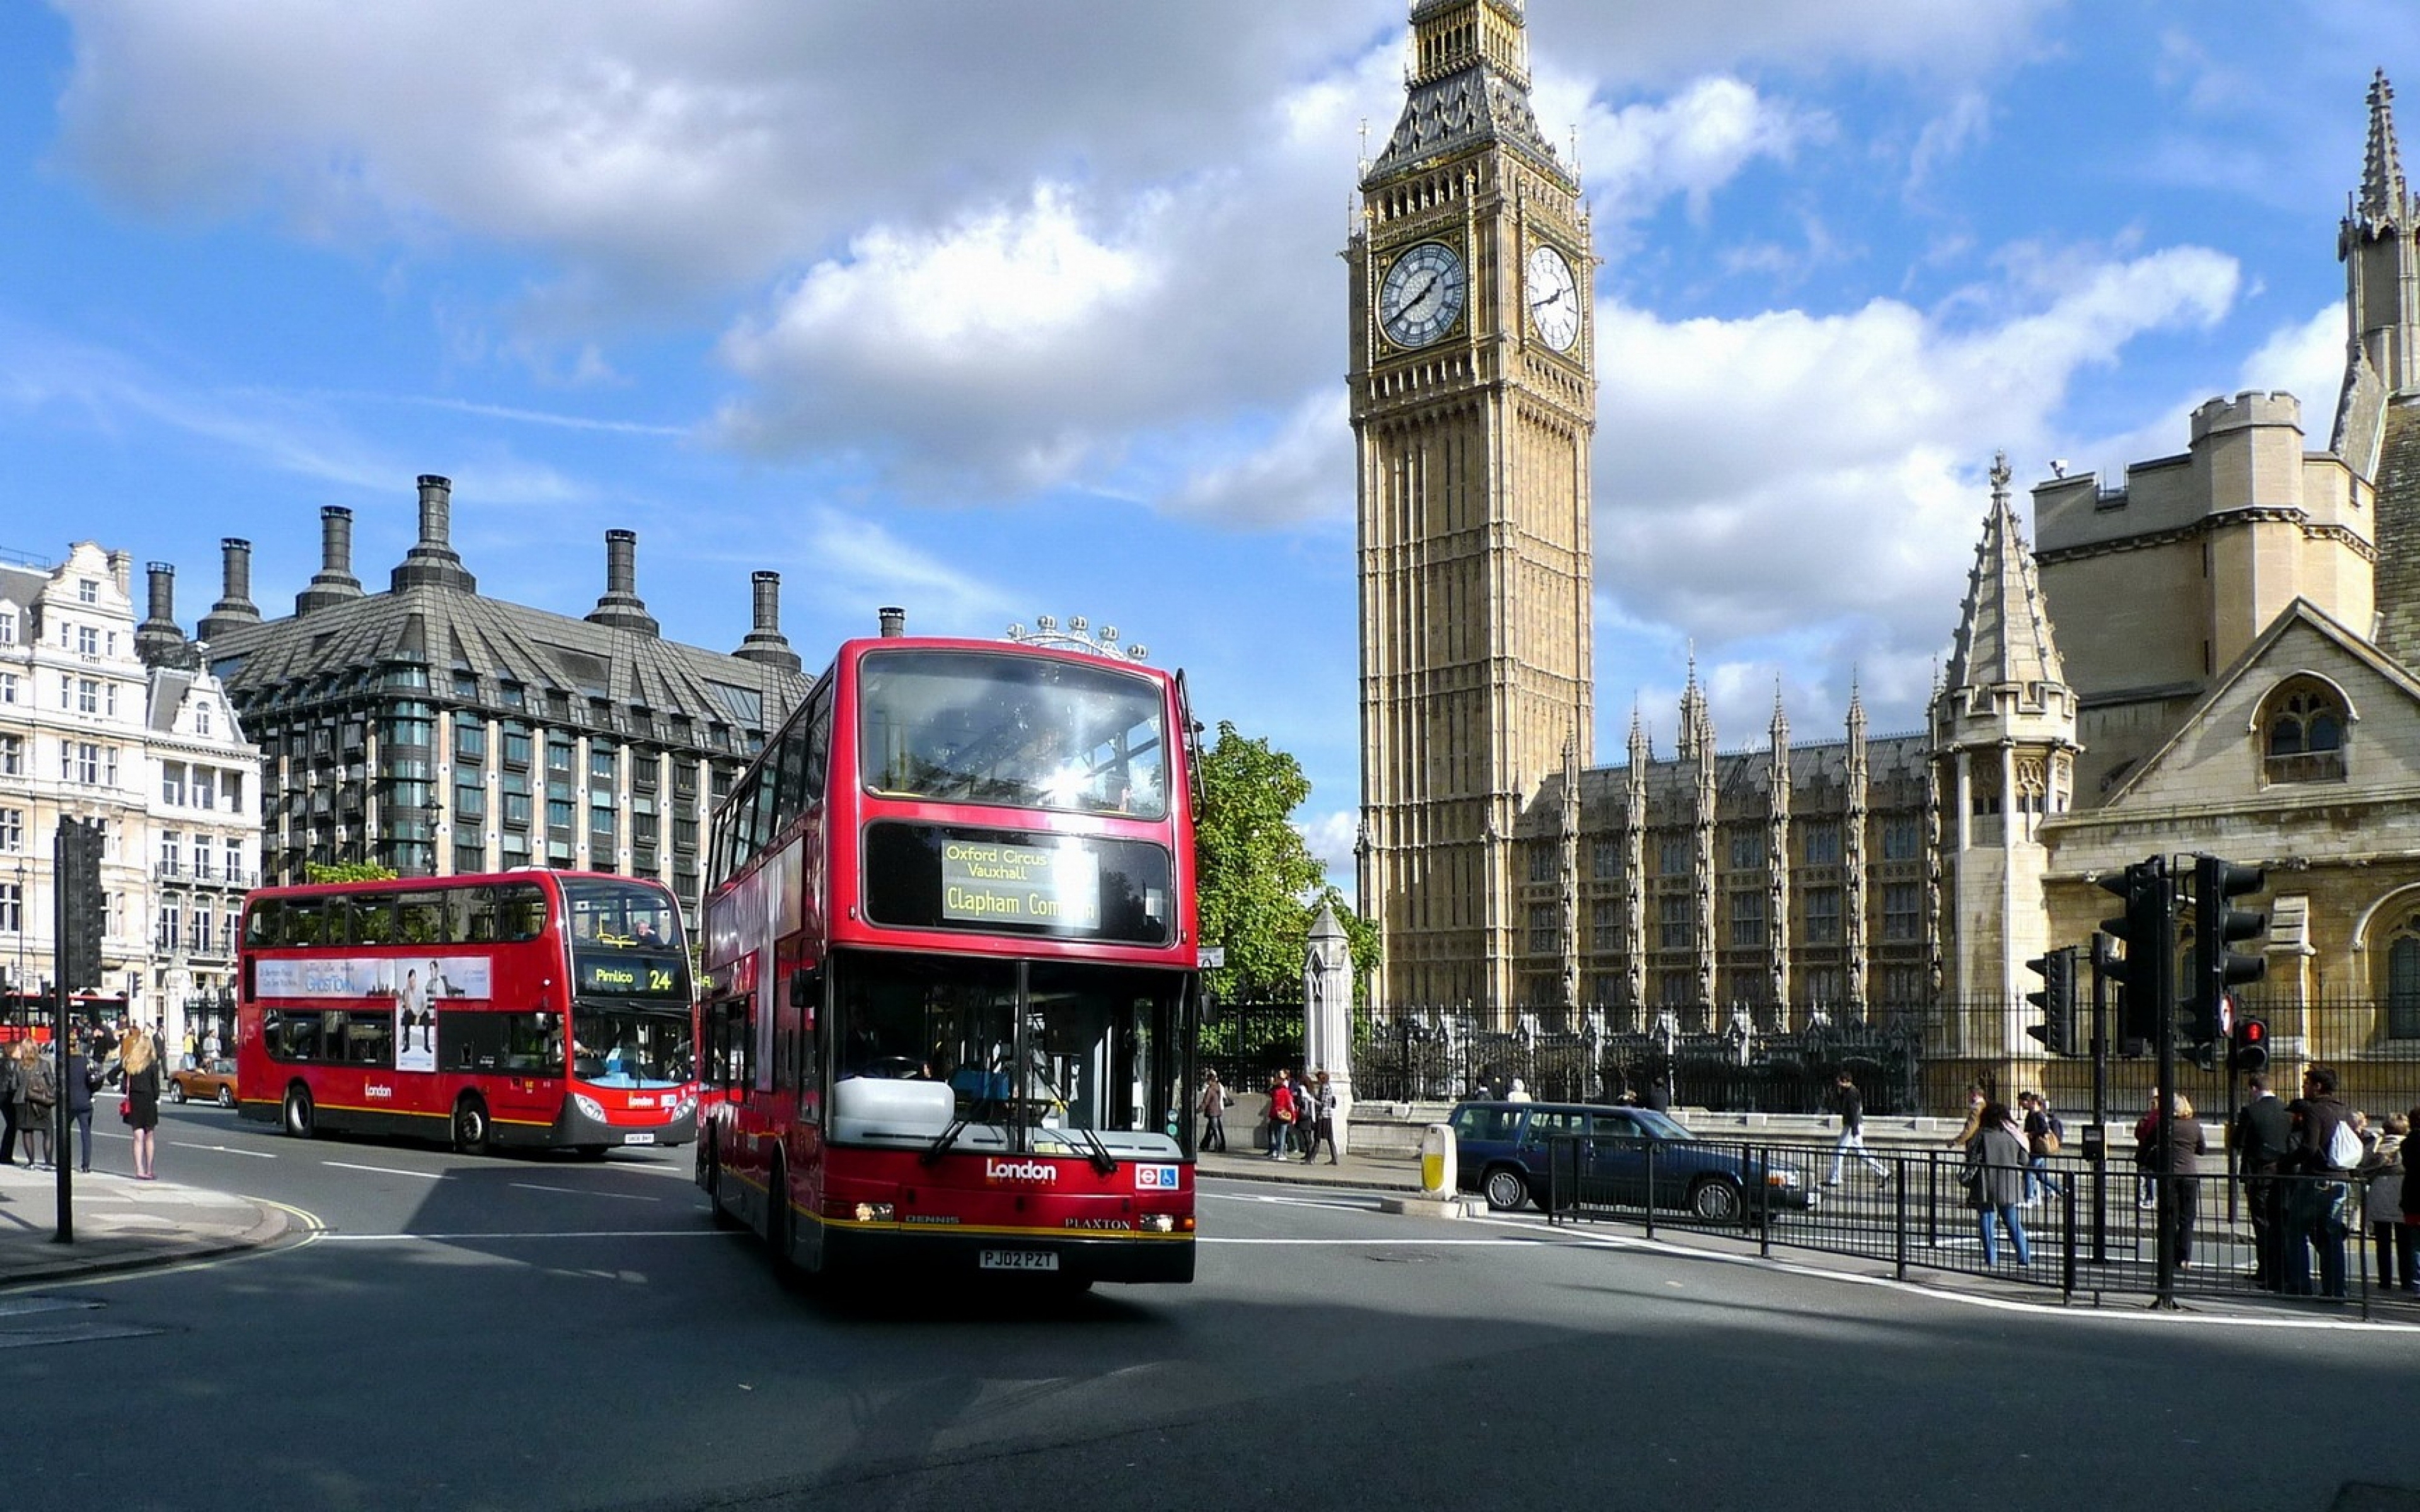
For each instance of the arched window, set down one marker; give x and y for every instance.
(2404, 980)
(2302, 734)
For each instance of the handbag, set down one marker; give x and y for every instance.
(126, 1110)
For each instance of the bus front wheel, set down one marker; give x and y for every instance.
(472, 1135)
(297, 1112)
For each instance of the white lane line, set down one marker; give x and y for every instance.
(1380, 1243)
(582, 1192)
(385, 1170)
(224, 1150)
(466, 1239)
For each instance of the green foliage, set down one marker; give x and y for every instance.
(1261, 888)
(348, 871)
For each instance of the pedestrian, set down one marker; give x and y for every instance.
(82, 1079)
(141, 1058)
(2411, 1214)
(2315, 1170)
(193, 1052)
(1850, 1105)
(1280, 1113)
(2044, 1134)
(1658, 1096)
(2178, 1146)
(2259, 1138)
(1306, 1114)
(1520, 1093)
(1995, 1174)
(10, 1085)
(35, 1120)
(1322, 1118)
(1214, 1113)
(2145, 1127)
(2383, 1205)
(1975, 1102)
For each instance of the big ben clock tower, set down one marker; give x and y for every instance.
(1474, 402)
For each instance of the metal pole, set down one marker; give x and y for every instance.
(66, 1234)
(2162, 974)
(2097, 1148)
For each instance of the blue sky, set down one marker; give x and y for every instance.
(998, 310)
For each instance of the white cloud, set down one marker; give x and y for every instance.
(855, 559)
(1691, 145)
(1331, 837)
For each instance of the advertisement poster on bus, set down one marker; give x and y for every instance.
(415, 988)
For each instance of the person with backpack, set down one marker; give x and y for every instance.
(8, 1088)
(2319, 1157)
(1280, 1114)
(41, 1102)
(2383, 1205)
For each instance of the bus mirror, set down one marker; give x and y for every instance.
(806, 987)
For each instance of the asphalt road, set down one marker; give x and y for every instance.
(533, 1333)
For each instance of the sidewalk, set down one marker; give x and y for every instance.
(121, 1224)
(1380, 1173)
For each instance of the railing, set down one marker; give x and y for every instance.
(1906, 1059)
(2087, 1228)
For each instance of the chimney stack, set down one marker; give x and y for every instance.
(334, 582)
(121, 570)
(766, 644)
(235, 608)
(620, 607)
(432, 560)
(157, 639)
(894, 622)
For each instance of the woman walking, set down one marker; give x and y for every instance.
(1995, 1181)
(1214, 1114)
(2178, 1146)
(141, 1061)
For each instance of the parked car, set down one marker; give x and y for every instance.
(213, 1078)
(1503, 1148)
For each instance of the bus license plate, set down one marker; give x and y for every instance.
(639, 1138)
(1019, 1259)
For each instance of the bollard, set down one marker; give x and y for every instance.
(1437, 1169)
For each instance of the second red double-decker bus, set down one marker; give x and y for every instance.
(526, 1008)
(952, 988)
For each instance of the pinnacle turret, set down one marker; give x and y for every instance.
(2386, 197)
(2004, 634)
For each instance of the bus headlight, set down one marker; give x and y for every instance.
(682, 1109)
(589, 1107)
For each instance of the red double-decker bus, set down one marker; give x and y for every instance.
(952, 974)
(526, 1008)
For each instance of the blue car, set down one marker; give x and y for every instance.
(1502, 1150)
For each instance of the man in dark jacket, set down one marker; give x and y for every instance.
(9, 1103)
(2259, 1136)
(82, 1079)
(2315, 1201)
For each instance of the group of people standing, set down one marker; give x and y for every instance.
(2299, 1172)
(1301, 1116)
(33, 1092)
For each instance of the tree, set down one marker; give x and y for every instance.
(1259, 886)
(348, 871)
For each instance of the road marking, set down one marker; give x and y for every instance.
(225, 1149)
(1382, 1244)
(582, 1192)
(385, 1170)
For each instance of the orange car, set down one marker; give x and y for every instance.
(214, 1078)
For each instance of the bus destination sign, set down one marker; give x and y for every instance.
(989, 882)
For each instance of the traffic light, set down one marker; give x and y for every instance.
(2147, 930)
(2056, 999)
(2217, 925)
(2250, 1051)
(83, 906)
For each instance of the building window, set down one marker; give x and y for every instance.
(1605, 858)
(1541, 862)
(2403, 980)
(8, 687)
(171, 852)
(1747, 849)
(1902, 911)
(470, 801)
(1823, 844)
(172, 919)
(12, 756)
(12, 829)
(2303, 737)
(88, 591)
(7, 628)
(202, 856)
(201, 718)
(1676, 923)
(470, 739)
(1673, 853)
(88, 641)
(1544, 930)
(1902, 837)
(1747, 919)
(1604, 925)
(1822, 916)
(234, 858)
(13, 909)
(206, 788)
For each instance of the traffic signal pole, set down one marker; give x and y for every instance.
(2158, 974)
(2096, 1140)
(66, 859)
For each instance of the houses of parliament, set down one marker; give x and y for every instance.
(2216, 651)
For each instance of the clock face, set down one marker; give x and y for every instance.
(1553, 299)
(1422, 296)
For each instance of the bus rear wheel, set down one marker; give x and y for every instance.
(299, 1120)
(472, 1134)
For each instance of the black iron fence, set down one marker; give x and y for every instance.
(1906, 1060)
(2080, 1228)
